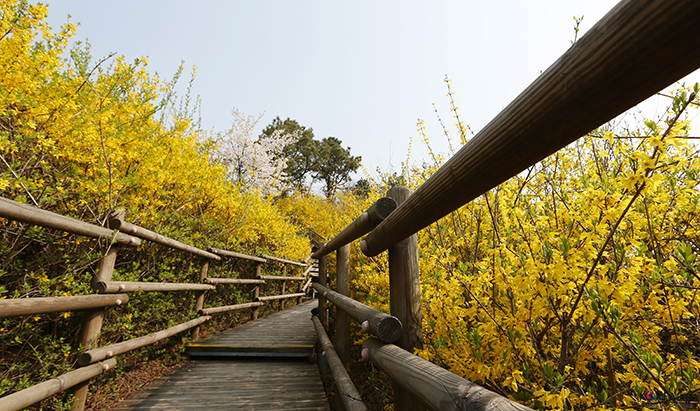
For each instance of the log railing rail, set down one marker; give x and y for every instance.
(225, 308)
(99, 354)
(348, 393)
(117, 222)
(362, 225)
(32, 215)
(279, 297)
(233, 254)
(382, 325)
(283, 261)
(280, 278)
(434, 386)
(113, 293)
(106, 287)
(235, 281)
(29, 396)
(44, 305)
(636, 49)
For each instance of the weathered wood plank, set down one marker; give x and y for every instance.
(257, 384)
(285, 333)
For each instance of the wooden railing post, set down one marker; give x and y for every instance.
(256, 292)
(342, 320)
(200, 298)
(92, 323)
(284, 290)
(323, 280)
(404, 299)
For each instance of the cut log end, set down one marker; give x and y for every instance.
(365, 354)
(365, 326)
(389, 329)
(384, 206)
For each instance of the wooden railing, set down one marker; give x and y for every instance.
(95, 360)
(638, 48)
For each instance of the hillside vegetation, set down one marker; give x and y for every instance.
(82, 138)
(573, 285)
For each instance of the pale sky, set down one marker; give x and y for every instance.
(361, 71)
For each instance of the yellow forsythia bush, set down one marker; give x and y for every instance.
(573, 285)
(83, 137)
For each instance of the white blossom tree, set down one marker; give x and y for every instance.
(257, 164)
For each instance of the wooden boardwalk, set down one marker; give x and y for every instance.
(288, 333)
(260, 365)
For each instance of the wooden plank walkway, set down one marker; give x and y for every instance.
(229, 373)
(288, 333)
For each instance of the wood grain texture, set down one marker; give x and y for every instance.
(362, 225)
(281, 278)
(405, 300)
(342, 340)
(116, 222)
(279, 297)
(92, 323)
(323, 281)
(283, 261)
(351, 399)
(286, 333)
(382, 325)
(250, 384)
(98, 354)
(32, 215)
(256, 292)
(235, 281)
(133, 287)
(199, 304)
(638, 48)
(225, 308)
(237, 255)
(437, 388)
(43, 305)
(46, 389)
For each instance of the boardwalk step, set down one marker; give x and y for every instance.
(259, 384)
(206, 350)
(261, 375)
(287, 333)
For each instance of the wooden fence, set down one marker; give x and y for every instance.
(95, 360)
(638, 48)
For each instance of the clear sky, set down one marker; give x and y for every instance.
(361, 71)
